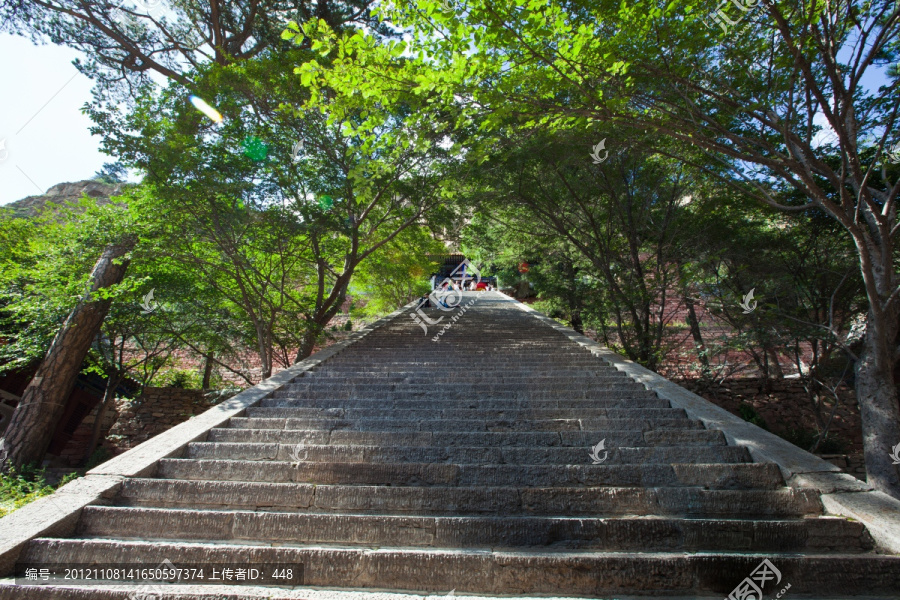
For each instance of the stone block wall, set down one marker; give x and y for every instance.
(155, 411)
(785, 406)
(136, 420)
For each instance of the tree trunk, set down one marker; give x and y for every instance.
(879, 413)
(44, 401)
(694, 324)
(576, 322)
(207, 371)
(308, 343)
(775, 371)
(109, 397)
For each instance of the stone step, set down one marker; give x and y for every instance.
(570, 398)
(401, 464)
(483, 455)
(494, 357)
(428, 378)
(470, 425)
(366, 387)
(634, 534)
(451, 375)
(582, 572)
(710, 476)
(647, 400)
(460, 364)
(475, 414)
(688, 502)
(617, 437)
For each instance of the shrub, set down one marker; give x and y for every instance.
(749, 414)
(180, 378)
(806, 438)
(18, 488)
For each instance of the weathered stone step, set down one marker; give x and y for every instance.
(508, 343)
(445, 357)
(430, 378)
(467, 424)
(461, 365)
(451, 375)
(421, 500)
(647, 400)
(711, 476)
(617, 437)
(337, 393)
(638, 534)
(508, 455)
(404, 464)
(521, 415)
(581, 572)
(365, 387)
(569, 398)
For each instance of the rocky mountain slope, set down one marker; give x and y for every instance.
(63, 193)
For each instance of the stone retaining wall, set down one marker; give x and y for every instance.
(785, 406)
(155, 411)
(135, 421)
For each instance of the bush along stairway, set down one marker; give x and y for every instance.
(501, 459)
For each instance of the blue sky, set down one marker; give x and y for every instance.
(47, 138)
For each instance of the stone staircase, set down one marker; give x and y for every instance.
(406, 464)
